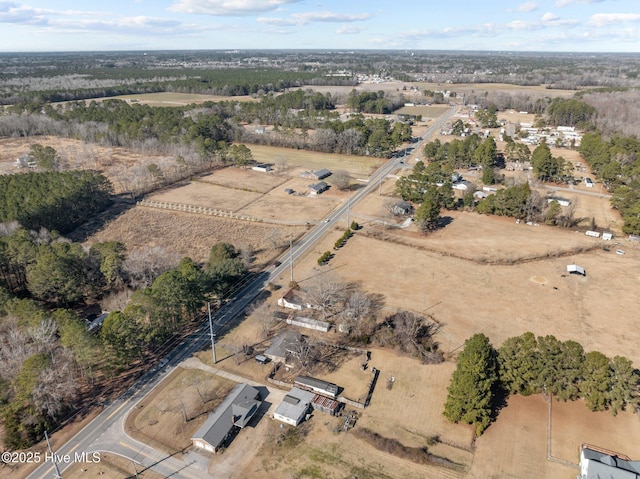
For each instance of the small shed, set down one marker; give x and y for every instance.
(561, 201)
(262, 167)
(575, 269)
(317, 385)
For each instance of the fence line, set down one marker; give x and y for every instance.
(202, 210)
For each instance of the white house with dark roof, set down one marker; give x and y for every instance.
(318, 188)
(235, 412)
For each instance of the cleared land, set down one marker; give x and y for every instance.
(425, 111)
(477, 274)
(175, 99)
(116, 163)
(193, 235)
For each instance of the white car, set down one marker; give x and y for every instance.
(619, 251)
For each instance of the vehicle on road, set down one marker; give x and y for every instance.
(327, 220)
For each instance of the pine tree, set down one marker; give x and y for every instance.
(473, 385)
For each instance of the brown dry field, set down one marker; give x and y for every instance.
(412, 412)
(460, 88)
(262, 194)
(158, 419)
(174, 99)
(111, 466)
(306, 160)
(451, 272)
(193, 235)
(206, 194)
(425, 111)
(112, 162)
(520, 436)
(245, 179)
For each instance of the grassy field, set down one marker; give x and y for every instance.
(175, 99)
(356, 165)
(159, 419)
(425, 111)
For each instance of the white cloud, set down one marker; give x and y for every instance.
(527, 7)
(349, 30)
(314, 17)
(564, 3)
(549, 17)
(228, 7)
(604, 19)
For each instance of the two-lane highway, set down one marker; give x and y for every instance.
(97, 434)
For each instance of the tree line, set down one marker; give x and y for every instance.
(53, 200)
(525, 365)
(616, 161)
(49, 359)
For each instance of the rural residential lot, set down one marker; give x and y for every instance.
(475, 274)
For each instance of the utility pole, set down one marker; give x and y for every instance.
(55, 463)
(135, 468)
(213, 336)
(291, 258)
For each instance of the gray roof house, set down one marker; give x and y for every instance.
(282, 346)
(597, 463)
(236, 411)
(316, 175)
(318, 188)
(294, 406)
(402, 208)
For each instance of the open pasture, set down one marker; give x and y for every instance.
(175, 99)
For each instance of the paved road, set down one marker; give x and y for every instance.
(106, 431)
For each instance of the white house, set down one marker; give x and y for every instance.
(294, 406)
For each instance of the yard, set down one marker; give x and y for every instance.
(168, 417)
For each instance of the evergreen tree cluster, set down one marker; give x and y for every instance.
(617, 163)
(528, 365)
(57, 201)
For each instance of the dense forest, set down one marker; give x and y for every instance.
(53, 200)
(51, 363)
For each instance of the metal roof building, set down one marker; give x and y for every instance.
(317, 385)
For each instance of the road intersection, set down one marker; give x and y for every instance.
(106, 432)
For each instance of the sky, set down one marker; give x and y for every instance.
(490, 25)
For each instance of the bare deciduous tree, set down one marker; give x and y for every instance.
(341, 180)
(325, 292)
